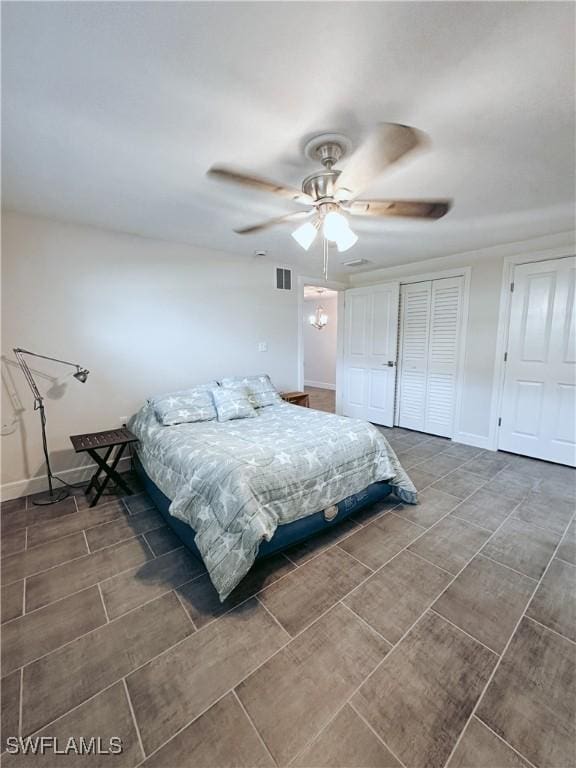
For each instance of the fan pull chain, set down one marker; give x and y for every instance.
(325, 248)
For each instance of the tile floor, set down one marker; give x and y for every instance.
(428, 636)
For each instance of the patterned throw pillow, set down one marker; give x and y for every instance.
(232, 404)
(187, 405)
(260, 389)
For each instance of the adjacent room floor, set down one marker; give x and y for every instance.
(322, 399)
(441, 634)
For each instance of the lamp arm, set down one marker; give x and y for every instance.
(20, 351)
(28, 376)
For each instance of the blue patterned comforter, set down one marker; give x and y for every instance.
(235, 482)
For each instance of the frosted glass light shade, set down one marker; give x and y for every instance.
(305, 235)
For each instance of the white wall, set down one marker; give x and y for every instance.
(477, 418)
(320, 346)
(145, 316)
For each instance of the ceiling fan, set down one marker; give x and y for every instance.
(333, 193)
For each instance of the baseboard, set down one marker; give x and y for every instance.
(469, 438)
(319, 384)
(38, 484)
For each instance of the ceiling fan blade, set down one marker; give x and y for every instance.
(416, 209)
(246, 180)
(296, 216)
(387, 144)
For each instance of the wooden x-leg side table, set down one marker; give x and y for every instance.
(110, 439)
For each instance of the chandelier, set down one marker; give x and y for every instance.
(319, 319)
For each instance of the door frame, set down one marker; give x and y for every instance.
(465, 273)
(510, 263)
(334, 285)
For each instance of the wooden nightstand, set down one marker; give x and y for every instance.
(296, 398)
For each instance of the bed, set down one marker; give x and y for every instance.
(245, 488)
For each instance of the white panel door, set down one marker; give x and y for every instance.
(429, 354)
(370, 339)
(538, 404)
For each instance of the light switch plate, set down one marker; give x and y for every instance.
(262, 346)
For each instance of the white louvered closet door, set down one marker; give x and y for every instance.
(430, 348)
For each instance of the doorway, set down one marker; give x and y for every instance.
(538, 416)
(319, 337)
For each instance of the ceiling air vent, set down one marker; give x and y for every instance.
(355, 263)
(283, 279)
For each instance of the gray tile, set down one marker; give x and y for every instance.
(554, 603)
(480, 748)
(423, 693)
(98, 659)
(306, 550)
(107, 714)
(9, 706)
(486, 509)
(422, 451)
(12, 505)
(138, 585)
(125, 527)
(84, 572)
(42, 631)
(299, 598)
(487, 466)
(63, 526)
(440, 465)
(432, 505)
(548, 511)
(162, 540)
(30, 561)
(201, 599)
(567, 548)
(15, 518)
(530, 702)
(511, 484)
(420, 478)
(347, 742)
(451, 543)
(174, 688)
(523, 547)
(459, 483)
(12, 600)
(138, 502)
(378, 542)
(293, 695)
(394, 597)
(486, 600)
(562, 490)
(368, 514)
(13, 541)
(223, 737)
(465, 452)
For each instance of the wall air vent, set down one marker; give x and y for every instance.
(356, 263)
(283, 279)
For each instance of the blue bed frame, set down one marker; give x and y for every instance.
(286, 535)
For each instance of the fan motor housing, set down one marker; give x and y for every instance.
(321, 184)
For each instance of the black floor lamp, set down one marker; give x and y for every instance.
(81, 374)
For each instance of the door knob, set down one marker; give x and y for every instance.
(391, 363)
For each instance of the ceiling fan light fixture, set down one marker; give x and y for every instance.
(346, 240)
(305, 235)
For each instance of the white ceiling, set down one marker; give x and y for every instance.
(112, 113)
